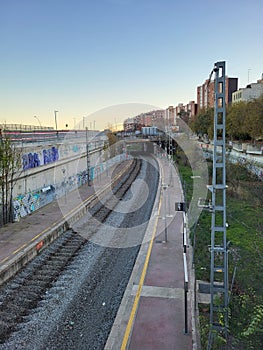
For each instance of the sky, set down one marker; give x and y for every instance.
(86, 57)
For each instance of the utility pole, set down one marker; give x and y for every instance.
(88, 160)
(219, 246)
(56, 124)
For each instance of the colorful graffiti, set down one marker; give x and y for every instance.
(26, 204)
(30, 160)
(50, 155)
(33, 160)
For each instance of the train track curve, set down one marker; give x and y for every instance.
(68, 296)
(24, 291)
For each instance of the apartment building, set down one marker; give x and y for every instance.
(129, 125)
(249, 93)
(152, 118)
(189, 110)
(170, 115)
(206, 92)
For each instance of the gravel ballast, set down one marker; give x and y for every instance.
(78, 310)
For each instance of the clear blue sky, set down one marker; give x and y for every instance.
(79, 56)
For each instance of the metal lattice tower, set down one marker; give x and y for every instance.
(219, 254)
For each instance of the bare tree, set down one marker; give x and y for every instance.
(10, 164)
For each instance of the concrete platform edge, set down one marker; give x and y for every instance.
(115, 338)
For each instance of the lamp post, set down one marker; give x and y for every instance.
(38, 121)
(88, 159)
(56, 124)
(65, 184)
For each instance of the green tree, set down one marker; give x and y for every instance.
(235, 121)
(202, 123)
(10, 163)
(245, 120)
(254, 120)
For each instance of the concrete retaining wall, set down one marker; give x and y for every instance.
(29, 252)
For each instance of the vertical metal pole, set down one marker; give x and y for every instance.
(165, 229)
(185, 311)
(87, 155)
(185, 295)
(56, 124)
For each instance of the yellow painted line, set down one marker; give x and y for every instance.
(41, 233)
(22, 246)
(138, 294)
(4, 259)
(45, 230)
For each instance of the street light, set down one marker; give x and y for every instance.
(65, 184)
(84, 123)
(88, 159)
(38, 121)
(56, 121)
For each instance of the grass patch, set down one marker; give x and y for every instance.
(245, 220)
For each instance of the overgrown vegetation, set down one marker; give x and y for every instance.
(245, 234)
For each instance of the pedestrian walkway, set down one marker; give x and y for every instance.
(152, 315)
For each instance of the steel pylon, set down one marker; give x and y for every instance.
(219, 248)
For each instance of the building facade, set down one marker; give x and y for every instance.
(152, 118)
(206, 92)
(190, 108)
(170, 115)
(129, 125)
(251, 92)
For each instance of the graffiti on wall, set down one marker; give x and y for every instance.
(32, 160)
(25, 204)
(50, 155)
(28, 203)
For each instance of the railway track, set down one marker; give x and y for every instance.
(23, 292)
